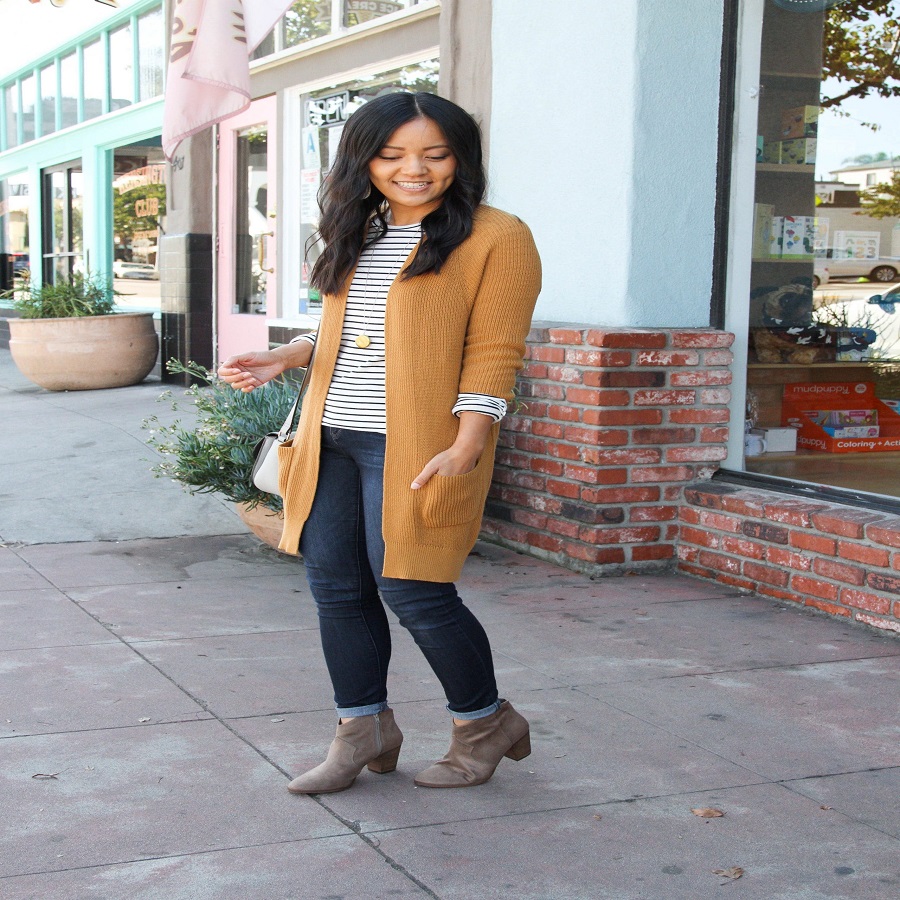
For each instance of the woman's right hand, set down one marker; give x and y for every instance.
(248, 371)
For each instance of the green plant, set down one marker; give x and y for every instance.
(215, 455)
(80, 295)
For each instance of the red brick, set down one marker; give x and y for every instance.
(629, 456)
(720, 563)
(763, 531)
(780, 557)
(567, 374)
(667, 358)
(741, 547)
(663, 435)
(673, 493)
(700, 378)
(653, 513)
(620, 495)
(515, 460)
(547, 466)
(566, 336)
(829, 568)
(633, 339)
(719, 521)
(613, 398)
(543, 503)
(821, 589)
(530, 444)
(563, 527)
(698, 416)
(813, 542)
(526, 480)
(563, 488)
(601, 436)
(612, 359)
(715, 396)
(772, 591)
(695, 454)
(597, 476)
(565, 451)
(886, 533)
(582, 395)
(744, 584)
(766, 574)
(633, 535)
(531, 519)
(713, 435)
(717, 358)
(546, 354)
(844, 522)
(548, 391)
(519, 424)
(664, 398)
(745, 503)
(624, 379)
(548, 429)
(865, 600)
(533, 409)
(544, 542)
(622, 416)
(564, 413)
(594, 359)
(702, 339)
(534, 370)
(599, 555)
(870, 556)
(662, 473)
(875, 622)
(879, 582)
(700, 537)
(652, 551)
(829, 608)
(688, 554)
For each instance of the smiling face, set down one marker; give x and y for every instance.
(413, 170)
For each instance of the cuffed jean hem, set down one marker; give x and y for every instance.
(478, 713)
(349, 712)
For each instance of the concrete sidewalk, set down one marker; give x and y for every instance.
(162, 678)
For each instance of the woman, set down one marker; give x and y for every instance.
(428, 297)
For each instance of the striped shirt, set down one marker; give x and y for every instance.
(356, 396)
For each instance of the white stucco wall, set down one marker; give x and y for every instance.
(603, 138)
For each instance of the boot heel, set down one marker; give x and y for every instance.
(385, 763)
(520, 749)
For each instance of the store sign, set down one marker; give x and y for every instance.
(331, 110)
(359, 11)
(147, 207)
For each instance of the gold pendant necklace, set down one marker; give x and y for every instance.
(362, 341)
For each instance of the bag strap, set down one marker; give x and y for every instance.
(288, 426)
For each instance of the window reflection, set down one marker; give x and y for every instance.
(94, 80)
(29, 102)
(68, 76)
(252, 244)
(14, 236)
(12, 111)
(151, 45)
(48, 99)
(121, 67)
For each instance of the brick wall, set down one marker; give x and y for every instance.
(841, 560)
(615, 422)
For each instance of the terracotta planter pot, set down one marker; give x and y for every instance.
(85, 353)
(264, 523)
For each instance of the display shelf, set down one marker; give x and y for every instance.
(786, 168)
(779, 261)
(837, 364)
(806, 76)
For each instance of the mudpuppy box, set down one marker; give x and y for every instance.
(840, 417)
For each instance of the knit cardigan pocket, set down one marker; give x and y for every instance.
(449, 500)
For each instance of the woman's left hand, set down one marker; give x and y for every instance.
(463, 456)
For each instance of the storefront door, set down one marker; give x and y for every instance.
(247, 226)
(62, 207)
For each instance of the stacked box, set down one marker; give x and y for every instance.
(760, 148)
(800, 122)
(798, 152)
(777, 233)
(772, 152)
(763, 216)
(798, 237)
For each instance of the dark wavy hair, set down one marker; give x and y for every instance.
(350, 202)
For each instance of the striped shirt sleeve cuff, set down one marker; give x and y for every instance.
(309, 338)
(495, 407)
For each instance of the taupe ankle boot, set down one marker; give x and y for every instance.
(372, 741)
(476, 748)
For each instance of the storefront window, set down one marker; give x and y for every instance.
(252, 266)
(48, 99)
(151, 44)
(68, 77)
(324, 116)
(309, 19)
(11, 98)
(29, 103)
(94, 80)
(14, 238)
(63, 204)
(121, 67)
(824, 356)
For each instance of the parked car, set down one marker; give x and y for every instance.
(884, 268)
(821, 273)
(122, 269)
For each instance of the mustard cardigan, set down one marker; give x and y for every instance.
(462, 330)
